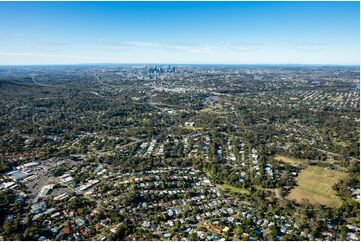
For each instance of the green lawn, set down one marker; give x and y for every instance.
(231, 188)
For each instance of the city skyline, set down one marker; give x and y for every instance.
(44, 33)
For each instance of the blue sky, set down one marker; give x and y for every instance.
(180, 32)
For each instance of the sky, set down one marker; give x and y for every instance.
(180, 32)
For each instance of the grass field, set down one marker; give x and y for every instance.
(289, 160)
(234, 189)
(341, 143)
(206, 110)
(192, 128)
(315, 184)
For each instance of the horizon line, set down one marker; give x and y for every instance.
(160, 63)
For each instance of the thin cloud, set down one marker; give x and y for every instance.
(29, 54)
(308, 46)
(13, 34)
(245, 46)
(50, 46)
(128, 45)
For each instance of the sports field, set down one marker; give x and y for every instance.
(315, 184)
